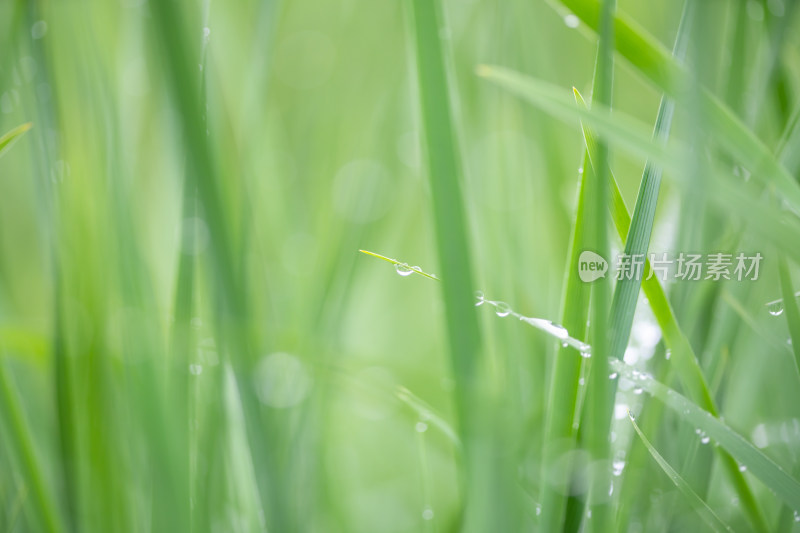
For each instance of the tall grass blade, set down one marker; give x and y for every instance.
(463, 332)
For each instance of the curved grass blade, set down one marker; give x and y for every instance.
(8, 140)
(773, 476)
(706, 513)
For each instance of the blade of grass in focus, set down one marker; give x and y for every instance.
(487, 470)
(706, 513)
(684, 358)
(599, 399)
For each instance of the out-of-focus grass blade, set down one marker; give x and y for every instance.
(684, 359)
(706, 513)
(654, 61)
(627, 132)
(790, 308)
(774, 226)
(8, 140)
(480, 430)
(18, 437)
(428, 413)
(761, 466)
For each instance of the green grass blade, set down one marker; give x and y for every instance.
(454, 258)
(563, 396)
(790, 308)
(18, 436)
(599, 394)
(623, 305)
(761, 466)
(684, 359)
(706, 513)
(401, 267)
(8, 140)
(650, 58)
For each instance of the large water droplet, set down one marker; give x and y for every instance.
(776, 308)
(617, 467)
(502, 309)
(403, 269)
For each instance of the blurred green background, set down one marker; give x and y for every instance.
(191, 340)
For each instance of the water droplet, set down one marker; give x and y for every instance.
(797, 516)
(613, 375)
(705, 439)
(742, 468)
(421, 427)
(538, 509)
(564, 344)
(581, 381)
(403, 269)
(667, 354)
(480, 298)
(586, 354)
(39, 29)
(427, 514)
(637, 390)
(617, 467)
(776, 308)
(195, 370)
(697, 431)
(571, 21)
(502, 309)
(206, 34)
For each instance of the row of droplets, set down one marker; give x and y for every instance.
(502, 309)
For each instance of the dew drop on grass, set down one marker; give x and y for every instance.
(195, 370)
(705, 439)
(581, 381)
(742, 468)
(538, 509)
(571, 21)
(797, 516)
(617, 467)
(775, 309)
(480, 298)
(403, 269)
(667, 354)
(421, 427)
(427, 514)
(502, 309)
(613, 375)
(637, 390)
